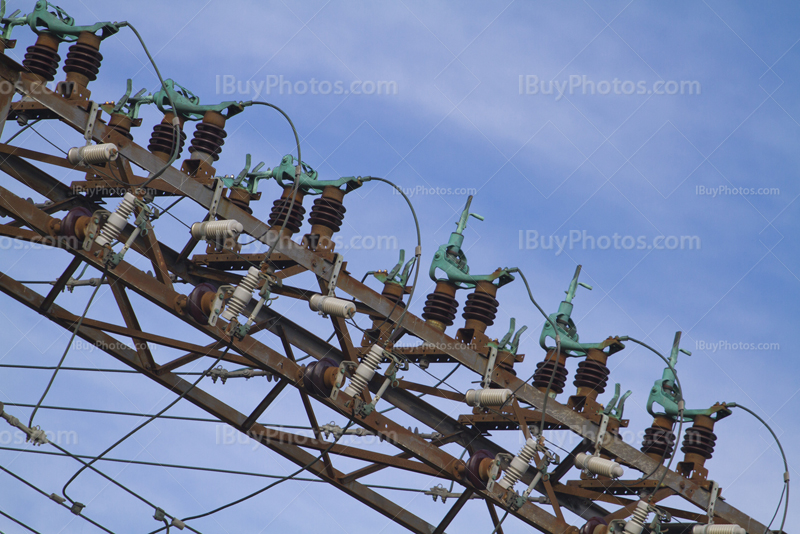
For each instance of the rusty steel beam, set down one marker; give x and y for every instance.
(446, 465)
(61, 283)
(217, 409)
(305, 258)
(453, 511)
(166, 298)
(264, 404)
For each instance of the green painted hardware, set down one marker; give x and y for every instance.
(307, 181)
(394, 276)
(614, 410)
(667, 393)
(188, 105)
(128, 105)
(567, 331)
(51, 19)
(451, 259)
(507, 344)
(8, 23)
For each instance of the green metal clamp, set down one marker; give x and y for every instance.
(307, 181)
(395, 276)
(507, 344)
(187, 104)
(567, 331)
(128, 105)
(51, 19)
(667, 393)
(452, 260)
(613, 409)
(8, 22)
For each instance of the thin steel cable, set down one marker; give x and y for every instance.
(198, 468)
(36, 488)
(785, 462)
(142, 425)
(262, 490)
(17, 521)
(66, 350)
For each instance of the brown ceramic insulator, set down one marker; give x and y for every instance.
(42, 58)
(119, 122)
(327, 213)
(659, 440)
(441, 307)
(699, 439)
(83, 59)
(241, 198)
(162, 142)
(394, 293)
(209, 136)
(480, 309)
(591, 378)
(545, 369)
(280, 212)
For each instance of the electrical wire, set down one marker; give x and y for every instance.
(555, 361)
(66, 350)
(785, 463)
(20, 131)
(17, 521)
(262, 490)
(295, 185)
(676, 440)
(417, 255)
(200, 468)
(175, 120)
(35, 488)
(142, 425)
(131, 414)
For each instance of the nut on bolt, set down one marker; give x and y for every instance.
(180, 302)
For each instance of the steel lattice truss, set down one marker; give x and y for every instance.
(416, 453)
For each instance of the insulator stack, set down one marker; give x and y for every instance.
(394, 293)
(209, 136)
(480, 398)
(319, 376)
(636, 523)
(280, 212)
(599, 466)
(75, 222)
(718, 529)
(116, 221)
(162, 142)
(592, 374)
(332, 306)
(42, 58)
(478, 467)
(381, 327)
(121, 123)
(83, 59)
(441, 307)
(200, 301)
(480, 309)
(698, 445)
(544, 372)
(592, 524)
(659, 440)
(365, 371)
(519, 464)
(326, 216)
(240, 197)
(241, 295)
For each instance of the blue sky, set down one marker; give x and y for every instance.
(714, 166)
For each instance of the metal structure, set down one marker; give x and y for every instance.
(231, 298)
